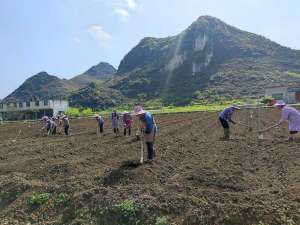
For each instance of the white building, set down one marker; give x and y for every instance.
(289, 94)
(32, 109)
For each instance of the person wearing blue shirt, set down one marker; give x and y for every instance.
(100, 123)
(225, 117)
(149, 128)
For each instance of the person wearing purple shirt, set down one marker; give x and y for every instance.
(225, 117)
(289, 114)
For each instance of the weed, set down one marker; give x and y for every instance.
(161, 220)
(38, 199)
(61, 198)
(125, 213)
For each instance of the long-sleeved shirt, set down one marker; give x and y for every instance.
(66, 121)
(149, 122)
(127, 120)
(226, 114)
(100, 120)
(115, 116)
(291, 115)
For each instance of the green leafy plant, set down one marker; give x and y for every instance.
(61, 198)
(125, 213)
(38, 199)
(161, 220)
(287, 220)
(129, 210)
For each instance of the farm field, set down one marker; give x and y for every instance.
(197, 177)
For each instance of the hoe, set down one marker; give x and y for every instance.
(245, 125)
(19, 133)
(142, 149)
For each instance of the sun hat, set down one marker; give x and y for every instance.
(44, 118)
(138, 110)
(96, 115)
(236, 107)
(280, 103)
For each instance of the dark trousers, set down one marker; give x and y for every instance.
(224, 123)
(67, 127)
(54, 131)
(129, 131)
(101, 128)
(116, 130)
(151, 150)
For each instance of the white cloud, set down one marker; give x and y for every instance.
(123, 13)
(131, 4)
(101, 36)
(77, 40)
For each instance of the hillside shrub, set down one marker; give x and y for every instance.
(72, 112)
(87, 112)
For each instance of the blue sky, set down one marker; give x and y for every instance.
(66, 37)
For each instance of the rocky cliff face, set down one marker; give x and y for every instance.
(209, 57)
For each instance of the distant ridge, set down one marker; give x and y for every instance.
(208, 61)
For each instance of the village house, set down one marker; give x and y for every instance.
(32, 110)
(289, 93)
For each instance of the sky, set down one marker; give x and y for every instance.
(67, 37)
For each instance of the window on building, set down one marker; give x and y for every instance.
(45, 102)
(20, 105)
(278, 96)
(15, 105)
(1, 106)
(37, 103)
(27, 104)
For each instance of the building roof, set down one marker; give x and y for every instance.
(290, 85)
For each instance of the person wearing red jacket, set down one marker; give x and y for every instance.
(127, 123)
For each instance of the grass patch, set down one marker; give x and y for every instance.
(157, 108)
(293, 74)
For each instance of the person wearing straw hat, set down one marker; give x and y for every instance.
(44, 121)
(115, 121)
(149, 128)
(66, 124)
(127, 123)
(225, 117)
(51, 127)
(290, 115)
(100, 123)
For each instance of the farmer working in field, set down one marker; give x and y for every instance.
(66, 124)
(127, 123)
(45, 124)
(100, 123)
(149, 128)
(225, 117)
(115, 121)
(51, 127)
(289, 114)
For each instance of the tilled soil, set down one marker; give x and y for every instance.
(197, 178)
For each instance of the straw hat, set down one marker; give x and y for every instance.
(138, 110)
(280, 103)
(236, 107)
